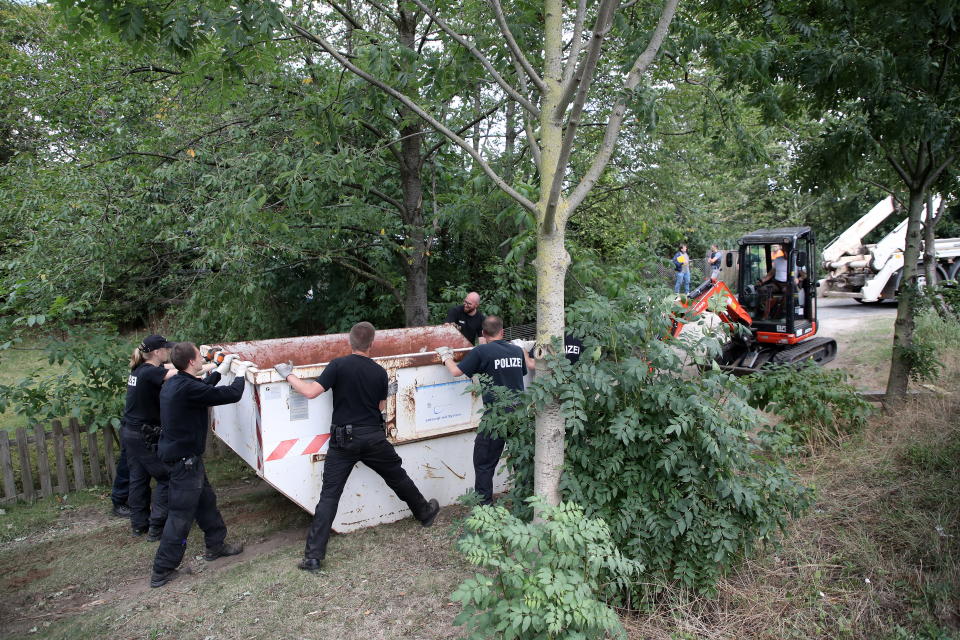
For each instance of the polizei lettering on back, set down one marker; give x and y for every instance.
(506, 363)
(572, 349)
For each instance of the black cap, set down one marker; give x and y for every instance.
(151, 343)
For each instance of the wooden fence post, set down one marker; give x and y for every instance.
(60, 453)
(43, 462)
(108, 453)
(9, 484)
(94, 453)
(79, 480)
(26, 473)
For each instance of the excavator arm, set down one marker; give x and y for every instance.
(732, 312)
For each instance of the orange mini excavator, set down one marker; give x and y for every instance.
(774, 312)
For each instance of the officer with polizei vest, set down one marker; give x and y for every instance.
(506, 364)
(140, 432)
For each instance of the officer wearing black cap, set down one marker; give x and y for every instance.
(139, 432)
(184, 401)
(357, 435)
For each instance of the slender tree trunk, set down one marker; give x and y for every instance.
(929, 243)
(552, 260)
(908, 298)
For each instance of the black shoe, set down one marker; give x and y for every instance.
(122, 511)
(160, 579)
(138, 531)
(226, 549)
(154, 534)
(434, 509)
(310, 564)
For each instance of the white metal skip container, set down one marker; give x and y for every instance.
(431, 420)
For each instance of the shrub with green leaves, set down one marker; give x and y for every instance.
(91, 388)
(815, 405)
(544, 579)
(657, 449)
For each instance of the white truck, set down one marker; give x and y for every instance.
(872, 272)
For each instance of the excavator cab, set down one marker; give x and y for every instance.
(777, 285)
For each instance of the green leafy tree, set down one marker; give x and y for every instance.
(883, 76)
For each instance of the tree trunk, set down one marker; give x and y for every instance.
(415, 262)
(907, 302)
(552, 259)
(552, 263)
(929, 243)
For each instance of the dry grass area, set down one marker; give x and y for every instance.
(877, 557)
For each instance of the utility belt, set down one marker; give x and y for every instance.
(343, 433)
(149, 431)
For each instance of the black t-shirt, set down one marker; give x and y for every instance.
(143, 395)
(572, 348)
(502, 361)
(470, 326)
(359, 385)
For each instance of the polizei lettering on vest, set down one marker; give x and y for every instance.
(506, 363)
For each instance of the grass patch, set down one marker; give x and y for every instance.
(878, 557)
(15, 362)
(865, 354)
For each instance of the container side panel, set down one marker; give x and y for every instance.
(236, 424)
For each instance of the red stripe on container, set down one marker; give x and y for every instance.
(316, 444)
(282, 449)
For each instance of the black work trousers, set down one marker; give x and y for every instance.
(486, 455)
(143, 464)
(191, 498)
(121, 482)
(369, 446)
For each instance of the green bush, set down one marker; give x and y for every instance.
(543, 579)
(816, 405)
(91, 388)
(663, 456)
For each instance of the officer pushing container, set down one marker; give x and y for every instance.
(184, 401)
(140, 432)
(358, 434)
(506, 364)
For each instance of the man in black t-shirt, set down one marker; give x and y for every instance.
(357, 434)
(506, 364)
(468, 317)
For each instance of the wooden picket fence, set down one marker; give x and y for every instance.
(37, 463)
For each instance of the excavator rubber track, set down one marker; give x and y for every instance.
(741, 360)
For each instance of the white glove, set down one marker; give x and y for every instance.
(224, 367)
(242, 368)
(284, 369)
(445, 353)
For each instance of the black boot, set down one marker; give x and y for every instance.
(310, 564)
(160, 579)
(226, 549)
(433, 508)
(138, 531)
(154, 534)
(121, 511)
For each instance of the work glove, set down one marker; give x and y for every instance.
(284, 369)
(445, 353)
(224, 367)
(242, 368)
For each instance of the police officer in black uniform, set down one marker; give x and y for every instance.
(468, 317)
(358, 434)
(506, 364)
(184, 401)
(139, 433)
